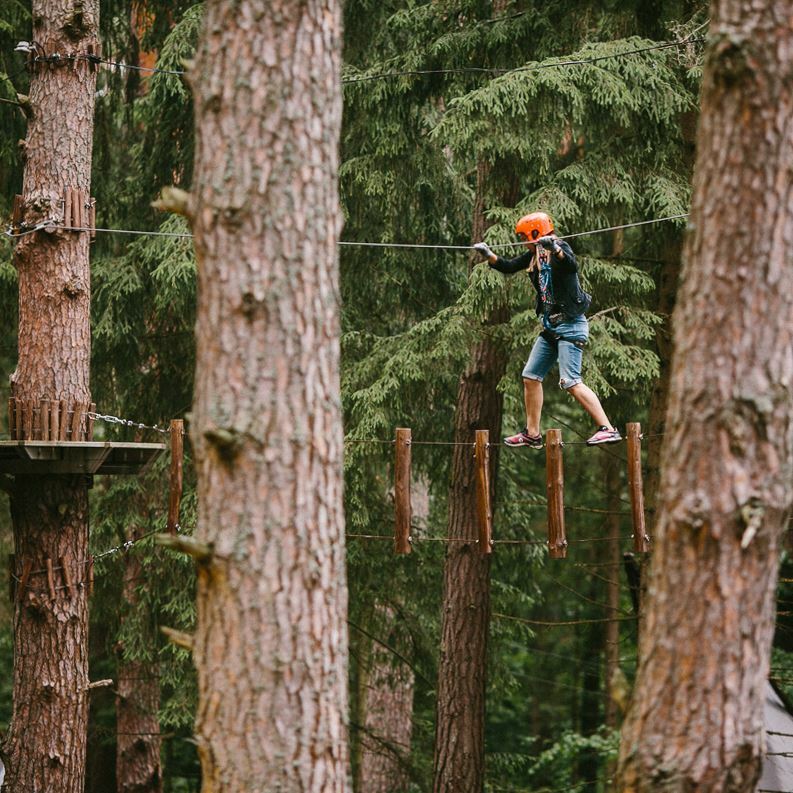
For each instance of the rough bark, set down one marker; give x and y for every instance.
(387, 712)
(696, 720)
(460, 713)
(271, 640)
(138, 741)
(46, 742)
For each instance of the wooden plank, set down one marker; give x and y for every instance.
(44, 419)
(67, 577)
(90, 576)
(403, 510)
(554, 477)
(50, 578)
(483, 509)
(76, 423)
(92, 222)
(641, 542)
(175, 483)
(55, 419)
(27, 566)
(89, 432)
(27, 421)
(67, 207)
(35, 409)
(75, 208)
(63, 421)
(12, 428)
(20, 429)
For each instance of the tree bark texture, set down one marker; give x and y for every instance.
(387, 712)
(46, 742)
(138, 741)
(271, 640)
(696, 721)
(460, 711)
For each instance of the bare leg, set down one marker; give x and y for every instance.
(532, 399)
(587, 398)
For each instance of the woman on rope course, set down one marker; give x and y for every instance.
(562, 305)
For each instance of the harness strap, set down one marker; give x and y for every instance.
(555, 338)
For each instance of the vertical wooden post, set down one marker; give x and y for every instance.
(44, 419)
(641, 542)
(67, 207)
(67, 577)
(12, 430)
(12, 571)
(554, 478)
(482, 457)
(27, 419)
(89, 426)
(403, 511)
(50, 578)
(19, 420)
(63, 421)
(175, 491)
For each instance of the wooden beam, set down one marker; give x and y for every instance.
(641, 542)
(483, 508)
(50, 578)
(554, 478)
(403, 510)
(67, 577)
(175, 484)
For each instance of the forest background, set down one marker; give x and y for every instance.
(457, 119)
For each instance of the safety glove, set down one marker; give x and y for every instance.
(549, 243)
(483, 249)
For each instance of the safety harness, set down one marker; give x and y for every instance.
(555, 338)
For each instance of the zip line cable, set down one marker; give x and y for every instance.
(54, 226)
(527, 68)
(96, 59)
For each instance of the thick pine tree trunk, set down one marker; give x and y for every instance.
(271, 641)
(138, 742)
(46, 742)
(387, 724)
(696, 721)
(460, 713)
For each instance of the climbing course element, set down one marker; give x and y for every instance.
(554, 478)
(402, 507)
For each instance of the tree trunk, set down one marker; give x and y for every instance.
(138, 768)
(271, 641)
(460, 715)
(696, 721)
(387, 711)
(613, 559)
(46, 742)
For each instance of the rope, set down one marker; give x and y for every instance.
(409, 72)
(53, 225)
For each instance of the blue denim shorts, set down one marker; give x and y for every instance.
(544, 354)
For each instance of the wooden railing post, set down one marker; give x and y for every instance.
(641, 542)
(403, 512)
(175, 486)
(554, 477)
(484, 512)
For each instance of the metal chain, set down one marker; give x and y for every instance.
(126, 422)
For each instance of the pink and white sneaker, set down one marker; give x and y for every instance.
(604, 435)
(524, 439)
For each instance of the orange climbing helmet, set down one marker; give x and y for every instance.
(534, 226)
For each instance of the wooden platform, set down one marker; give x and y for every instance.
(77, 457)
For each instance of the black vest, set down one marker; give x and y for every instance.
(568, 296)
